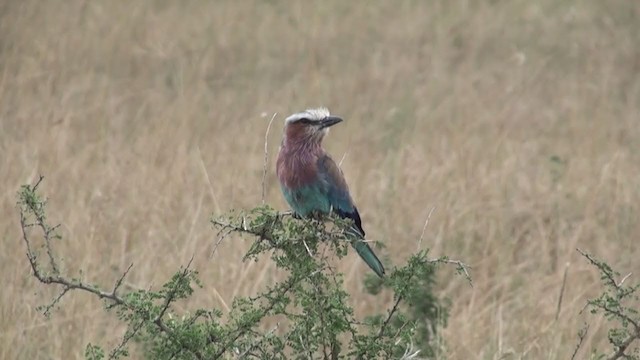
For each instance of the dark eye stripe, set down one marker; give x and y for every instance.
(305, 121)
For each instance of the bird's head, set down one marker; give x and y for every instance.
(309, 125)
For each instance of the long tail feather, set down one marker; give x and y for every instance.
(366, 253)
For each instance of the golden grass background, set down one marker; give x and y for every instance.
(517, 120)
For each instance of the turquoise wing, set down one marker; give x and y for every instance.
(337, 191)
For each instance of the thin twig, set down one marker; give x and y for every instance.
(170, 297)
(389, 316)
(581, 335)
(35, 187)
(307, 247)
(47, 235)
(624, 279)
(47, 309)
(461, 267)
(266, 158)
(47, 231)
(605, 271)
(215, 247)
(242, 228)
(242, 330)
(424, 228)
(119, 282)
(344, 156)
(125, 339)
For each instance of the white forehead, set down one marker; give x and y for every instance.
(311, 114)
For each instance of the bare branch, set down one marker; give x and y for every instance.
(47, 234)
(35, 187)
(119, 282)
(47, 309)
(220, 238)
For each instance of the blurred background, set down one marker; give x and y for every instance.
(517, 120)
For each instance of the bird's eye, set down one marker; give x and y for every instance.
(304, 121)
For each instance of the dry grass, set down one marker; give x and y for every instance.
(146, 117)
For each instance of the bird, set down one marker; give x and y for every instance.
(311, 181)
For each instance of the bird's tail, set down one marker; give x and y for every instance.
(366, 253)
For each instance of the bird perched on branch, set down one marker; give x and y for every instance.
(310, 180)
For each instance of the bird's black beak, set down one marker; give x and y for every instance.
(329, 121)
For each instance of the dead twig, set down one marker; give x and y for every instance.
(424, 228)
(266, 158)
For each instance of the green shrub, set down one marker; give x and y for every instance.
(315, 318)
(619, 303)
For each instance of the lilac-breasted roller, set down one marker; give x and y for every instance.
(310, 180)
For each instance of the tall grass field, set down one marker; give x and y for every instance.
(517, 122)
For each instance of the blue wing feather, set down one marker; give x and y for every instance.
(340, 200)
(337, 191)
